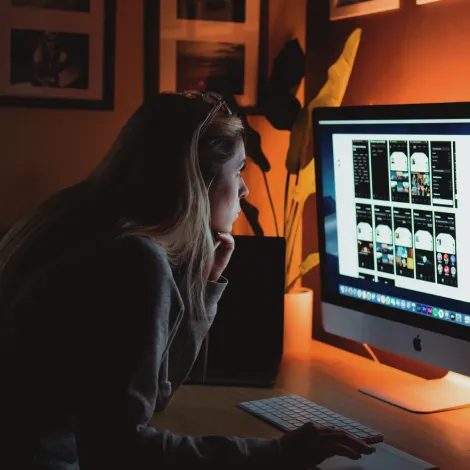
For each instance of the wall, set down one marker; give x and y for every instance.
(417, 54)
(44, 150)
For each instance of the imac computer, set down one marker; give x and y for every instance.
(393, 195)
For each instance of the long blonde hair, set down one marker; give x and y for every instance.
(154, 181)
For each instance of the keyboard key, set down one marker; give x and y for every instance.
(290, 412)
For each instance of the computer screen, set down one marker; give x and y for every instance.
(395, 213)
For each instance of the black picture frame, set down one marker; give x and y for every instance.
(103, 87)
(342, 9)
(152, 56)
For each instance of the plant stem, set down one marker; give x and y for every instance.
(292, 284)
(286, 196)
(297, 176)
(292, 205)
(289, 241)
(292, 218)
(290, 215)
(270, 202)
(292, 246)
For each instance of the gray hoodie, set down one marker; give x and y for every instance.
(101, 342)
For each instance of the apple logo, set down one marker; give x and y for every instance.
(417, 343)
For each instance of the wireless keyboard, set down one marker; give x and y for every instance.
(290, 412)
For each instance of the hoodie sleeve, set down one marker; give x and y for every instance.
(214, 292)
(126, 334)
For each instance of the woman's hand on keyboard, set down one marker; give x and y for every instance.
(311, 444)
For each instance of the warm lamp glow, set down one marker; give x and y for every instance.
(460, 380)
(298, 307)
(422, 396)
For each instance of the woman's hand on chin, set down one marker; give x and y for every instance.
(224, 246)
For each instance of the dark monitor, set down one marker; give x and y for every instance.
(246, 338)
(394, 223)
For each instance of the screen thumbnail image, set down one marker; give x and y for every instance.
(424, 245)
(384, 239)
(361, 168)
(446, 249)
(365, 238)
(399, 171)
(442, 174)
(420, 173)
(404, 254)
(379, 164)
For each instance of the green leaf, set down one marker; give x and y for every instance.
(331, 95)
(290, 245)
(312, 260)
(300, 193)
(306, 185)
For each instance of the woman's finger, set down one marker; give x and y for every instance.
(227, 239)
(346, 439)
(328, 429)
(344, 451)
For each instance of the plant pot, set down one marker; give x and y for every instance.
(298, 311)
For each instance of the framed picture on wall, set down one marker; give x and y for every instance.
(57, 53)
(340, 9)
(207, 45)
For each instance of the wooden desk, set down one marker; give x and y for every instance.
(331, 378)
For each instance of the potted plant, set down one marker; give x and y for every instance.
(300, 168)
(284, 112)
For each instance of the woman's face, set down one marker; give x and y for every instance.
(225, 195)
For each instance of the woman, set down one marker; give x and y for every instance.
(107, 292)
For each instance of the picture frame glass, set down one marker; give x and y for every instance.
(53, 50)
(211, 45)
(340, 9)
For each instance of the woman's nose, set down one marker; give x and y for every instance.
(244, 191)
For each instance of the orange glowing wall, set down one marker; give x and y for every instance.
(43, 150)
(417, 54)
